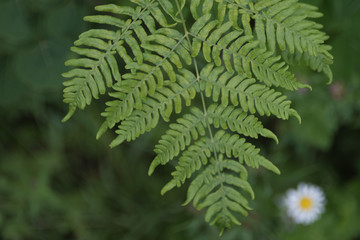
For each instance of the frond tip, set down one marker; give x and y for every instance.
(212, 84)
(220, 192)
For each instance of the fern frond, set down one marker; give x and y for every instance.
(246, 67)
(320, 64)
(235, 119)
(219, 191)
(241, 53)
(162, 103)
(252, 97)
(191, 126)
(148, 76)
(233, 146)
(284, 23)
(179, 135)
(100, 46)
(169, 44)
(203, 186)
(191, 160)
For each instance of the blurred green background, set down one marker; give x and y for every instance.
(58, 182)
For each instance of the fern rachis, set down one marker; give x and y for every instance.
(232, 68)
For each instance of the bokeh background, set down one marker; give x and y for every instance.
(58, 182)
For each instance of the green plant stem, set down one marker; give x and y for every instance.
(198, 79)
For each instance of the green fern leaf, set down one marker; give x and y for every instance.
(237, 121)
(99, 46)
(284, 23)
(180, 135)
(214, 189)
(190, 161)
(147, 77)
(224, 69)
(161, 103)
(240, 53)
(234, 146)
(252, 97)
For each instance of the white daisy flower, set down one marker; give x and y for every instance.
(305, 204)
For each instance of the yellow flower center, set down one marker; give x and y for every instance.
(306, 203)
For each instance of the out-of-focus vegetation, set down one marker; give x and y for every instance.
(58, 182)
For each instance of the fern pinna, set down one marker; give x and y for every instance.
(226, 62)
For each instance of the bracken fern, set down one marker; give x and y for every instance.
(227, 67)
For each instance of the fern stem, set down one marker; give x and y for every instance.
(198, 80)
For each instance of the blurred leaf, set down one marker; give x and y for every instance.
(65, 20)
(39, 67)
(319, 121)
(14, 28)
(11, 89)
